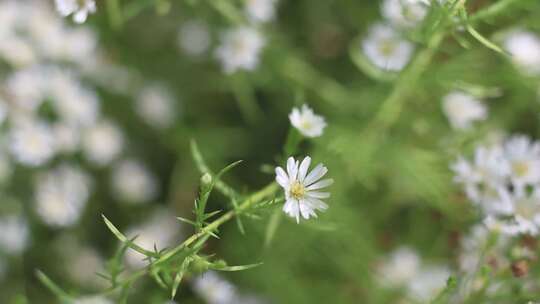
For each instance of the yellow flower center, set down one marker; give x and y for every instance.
(387, 47)
(520, 168)
(297, 190)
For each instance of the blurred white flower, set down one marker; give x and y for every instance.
(133, 183)
(67, 137)
(162, 230)
(307, 122)
(194, 38)
(386, 49)
(240, 49)
(260, 10)
(79, 8)
(523, 154)
(18, 52)
(301, 188)
(102, 143)
(93, 300)
(484, 179)
(428, 282)
(404, 13)
(400, 267)
(526, 215)
(84, 265)
(14, 234)
(31, 142)
(463, 109)
(26, 87)
(213, 289)
(473, 248)
(156, 106)
(524, 47)
(61, 195)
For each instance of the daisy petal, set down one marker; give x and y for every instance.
(315, 194)
(315, 174)
(292, 168)
(321, 184)
(281, 177)
(304, 166)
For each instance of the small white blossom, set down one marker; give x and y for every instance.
(102, 143)
(525, 215)
(214, 289)
(133, 183)
(307, 122)
(26, 88)
(31, 142)
(525, 50)
(194, 38)
(428, 282)
(260, 10)
(404, 13)
(156, 106)
(162, 230)
(400, 267)
(61, 195)
(386, 49)
(462, 109)
(523, 154)
(302, 195)
(67, 137)
(473, 247)
(80, 9)
(240, 49)
(14, 234)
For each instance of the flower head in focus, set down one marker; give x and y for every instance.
(302, 195)
(307, 122)
(80, 9)
(240, 49)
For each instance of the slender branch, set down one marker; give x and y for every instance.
(493, 10)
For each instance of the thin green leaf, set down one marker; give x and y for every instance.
(57, 291)
(124, 239)
(233, 268)
(179, 276)
(186, 221)
(484, 40)
(272, 226)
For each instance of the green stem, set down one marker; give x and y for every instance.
(114, 13)
(493, 10)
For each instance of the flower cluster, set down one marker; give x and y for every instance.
(504, 181)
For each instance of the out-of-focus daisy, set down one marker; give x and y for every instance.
(194, 38)
(240, 49)
(399, 268)
(404, 13)
(67, 137)
(260, 10)
(484, 177)
(386, 49)
(523, 155)
(214, 289)
(61, 195)
(162, 230)
(473, 248)
(31, 142)
(156, 106)
(307, 122)
(14, 234)
(93, 300)
(26, 88)
(102, 143)
(133, 183)
(524, 47)
(302, 189)
(80, 9)
(462, 109)
(428, 282)
(526, 215)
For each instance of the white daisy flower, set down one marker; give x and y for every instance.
(156, 106)
(404, 13)
(194, 38)
(80, 9)
(524, 47)
(301, 188)
(400, 267)
(214, 289)
(61, 195)
(484, 179)
(307, 122)
(240, 49)
(14, 234)
(525, 212)
(386, 49)
(31, 142)
(102, 143)
(162, 230)
(428, 282)
(463, 109)
(260, 10)
(523, 154)
(26, 88)
(133, 183)
(473, 247)
(67, 137)
(93, 300)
